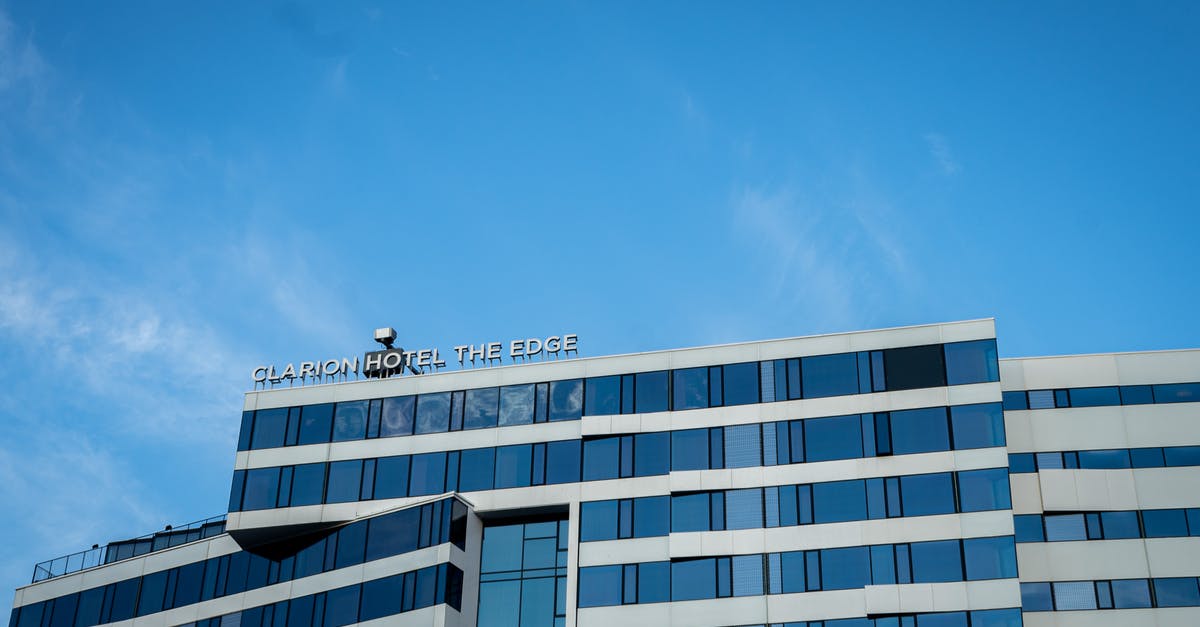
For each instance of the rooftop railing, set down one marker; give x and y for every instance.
(126, 549)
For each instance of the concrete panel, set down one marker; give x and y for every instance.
(1182, 366)
(1074, 561)
(624, 551)
(1026, 493)
(1163, 488)
(1069, 372)
(1173, 557)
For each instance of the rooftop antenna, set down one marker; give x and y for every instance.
(387, 337)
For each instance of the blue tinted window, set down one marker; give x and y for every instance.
(943, 619)
(1015, 400)
(1177, 393)
(839, 501)
(344, 481)
(792, 572)
(602, 396)
(654, 582)
(262, 488)
(236, 490)
(691, 388)
(983, 490)
(316, 424)
(845, 569)
(598, 521)
(977, 426)
(300, 611)
(152, 588)
(919, 431)
(914, 367)
(351, 544)
(391, 477)
(990, 558)
(925, 495)
(744, 509)
(1028, 527)
(1147, 457)
(1021, 462)
(513, 466)
(433, 413)
(1118, 525)
(1165, 523)
(393, 534)
(516, 405)
(689, 449)
(832, 438)
(562, 461)
(498, 606)
(743, 446)
(1108, 459)
(693, 579)
(1136, 395)
(1193, 517)
(689, 512)
(650, 391)
(1130, 593)
(270, 425)
(350, 421)
(243, 435)
(652, 454)
(601, 458)
(971, 362)
(1176, 591)
(996, 618)
(1065, 527)
(477, 467)
(121, 600)
(381, 597)
(599, 586)
(397, 416)
(482, 408)
(741, 383)
(1094, 397)
(651, 516)
(428, 474)
(308, 484)
(936, 562)
(1182, 455)
(829, 375)
(566, 399)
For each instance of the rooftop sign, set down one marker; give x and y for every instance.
(395, 361)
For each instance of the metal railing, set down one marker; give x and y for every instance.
(125, 549)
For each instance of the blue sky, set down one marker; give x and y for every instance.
(189, 191)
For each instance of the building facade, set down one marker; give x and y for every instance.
(894, 478)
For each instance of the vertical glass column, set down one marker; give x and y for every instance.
(523, 575)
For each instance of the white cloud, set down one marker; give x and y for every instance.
(20, 60)
(939, 149)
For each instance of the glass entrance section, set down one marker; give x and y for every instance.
(523, 575)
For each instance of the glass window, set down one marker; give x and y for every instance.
(188, 583)
(652, 454)
(599, 586)
(482, 408)
(919, 431)
(380, 597)
(308, 484)
(1130, 593)
(397, 416)
(1041, 399)
(943, 619)
(350, 421)
(476, 469)
(428, 474)
(562, 461)
(1193, 517)
(832, 438)
(996, 618)
(1035, 597)
(650, 390)
(1094, 397)
(829, 375)
(351, 544)
(971, 362)
(693, 579)
(393, 534)
(601, 458)
(152, 588)
(566, 399)
(977, 426)
(270, 425)
(651, 516)
(300, 611)
(845, 569)
(262, 488)
(1065, 527)
(513, 466)
(689, 512)
(926, 495)
(602, 396)
(433, 412)
(1028, 528)
(516, 405)
(839, 501)
(691, 388)
(983, 490)
(345, 478)
(391, 477)
(1136, 395)
(792, 570)
(1177, 393)
(426, 590)
(914, 367)
(1182, 455)
(1147, 458)
(1015, 400)
(741, 383)
(1107, 459)
(748, 575)
(743, 446)
(936, 562)
(744, 509)
(1021, 462)
(1165, 523)
(121, 600)
(316, 423)
(598, 521)
(1119, 525)
(990, 558)
(654, 582)
(1176, 591)
(1075, 595)
(689, 449)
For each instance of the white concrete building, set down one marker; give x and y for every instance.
(832, 481)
